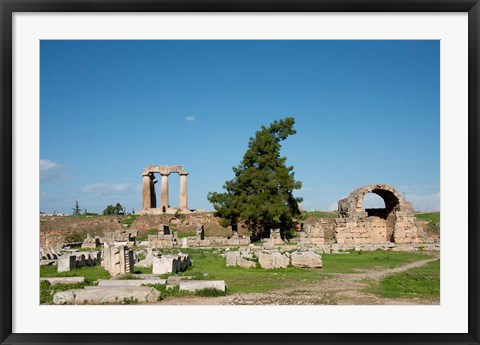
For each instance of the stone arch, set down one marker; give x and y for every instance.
(394, 223)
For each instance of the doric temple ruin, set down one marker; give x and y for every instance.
(395, 223)
(149, 194)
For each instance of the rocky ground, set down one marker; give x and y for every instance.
(339, 289)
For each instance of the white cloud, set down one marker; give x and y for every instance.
(51, 172)
(190, 118)
(424, 203)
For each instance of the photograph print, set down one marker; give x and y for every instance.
(239, 172)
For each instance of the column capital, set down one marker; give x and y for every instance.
(183, 173)
(164, 174)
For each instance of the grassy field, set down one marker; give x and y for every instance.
(91, 273)
(356, 262)
(421, 282)
(433, 219)
(143, 235)
(208, 265)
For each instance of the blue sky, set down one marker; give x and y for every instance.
(366, 112)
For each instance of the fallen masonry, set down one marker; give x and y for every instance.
(71, 260)
(107, 295)
(64, 280)
(306, 260)
(129, 282)
(117, 259)
(195, 285)
(171, 263)
(270, 257)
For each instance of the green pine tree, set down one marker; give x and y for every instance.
(261, 193)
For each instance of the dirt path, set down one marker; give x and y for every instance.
(339, 288)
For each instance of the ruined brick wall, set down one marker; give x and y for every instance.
(395, 223)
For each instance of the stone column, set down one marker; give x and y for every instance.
(164, 202)
(147, 197)
(183, 190)
(152, 191)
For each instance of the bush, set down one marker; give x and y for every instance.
(210, 292)
(129, 300)
(47, 290)
(168, 291)
(71, 238)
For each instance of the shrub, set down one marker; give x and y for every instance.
(129, 300)
(210, 292)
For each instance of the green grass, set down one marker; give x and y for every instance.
(129, 220)
(169, 292)
(355, 261)
(420, 282)
(433, 219)
(186, 234)
(142, 270)
(88, 215)
(47, 290)
(127, 277)
(246, 279)
(91, 273)
(319, 214)
(262, 280)
(174, 291)
(144, 236)
(210, 292)
(129, 300)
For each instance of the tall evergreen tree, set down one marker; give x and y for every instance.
(261, 193)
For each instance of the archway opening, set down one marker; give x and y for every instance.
(374, 205)
(380, 206)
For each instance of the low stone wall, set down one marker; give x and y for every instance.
(217, 241)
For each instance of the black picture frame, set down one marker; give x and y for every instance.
(8, 7)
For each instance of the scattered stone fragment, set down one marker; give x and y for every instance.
(129, 282)
(63, 280)
(101, 295)
(306, 260)
(202, 284)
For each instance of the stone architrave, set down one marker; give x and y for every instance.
(183, 190)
